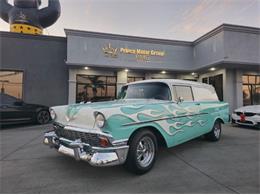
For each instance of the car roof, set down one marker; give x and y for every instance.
(7, 99)
(173, 82)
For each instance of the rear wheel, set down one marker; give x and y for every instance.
(215, 133)
(142, 152)
(43, 117)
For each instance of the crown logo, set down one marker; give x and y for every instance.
(109, 51)
(22, 16)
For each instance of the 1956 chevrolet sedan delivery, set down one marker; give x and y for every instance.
(129, 130)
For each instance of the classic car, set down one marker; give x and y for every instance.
(14, 111)
(247, 116)
(129, 130)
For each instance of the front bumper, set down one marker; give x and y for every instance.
(253, 121)
(95, 156)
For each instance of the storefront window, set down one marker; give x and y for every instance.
(133, 79)
(251, 89)
(95, 88)
(12, 83)
(217, 83)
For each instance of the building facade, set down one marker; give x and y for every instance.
(85, 66)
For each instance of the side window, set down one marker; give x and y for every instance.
(204, 94)
(183, 91)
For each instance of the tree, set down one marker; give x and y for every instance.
(95, 84)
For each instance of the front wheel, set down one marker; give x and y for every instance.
(215, 133)
(43, 117)
(142, 152)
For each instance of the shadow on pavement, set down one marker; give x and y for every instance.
(15, 126)
(245, 127)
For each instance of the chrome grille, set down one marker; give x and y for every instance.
(89, 138)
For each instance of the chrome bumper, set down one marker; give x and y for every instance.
(95, 156)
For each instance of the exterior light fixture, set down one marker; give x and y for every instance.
(163, 72)
(126, 70)
(193, 73)
(86, 68)
(212, 69)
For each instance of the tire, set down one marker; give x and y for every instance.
(258, 126)
(215, 134)
(142, 152)
(43, 117)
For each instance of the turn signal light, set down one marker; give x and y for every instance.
(103, 141)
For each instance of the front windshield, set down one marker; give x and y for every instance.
(154, 90)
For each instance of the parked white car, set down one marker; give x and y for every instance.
(247, 115)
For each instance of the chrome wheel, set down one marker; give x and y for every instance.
(145, 151)
(43, 117)
(215, 134)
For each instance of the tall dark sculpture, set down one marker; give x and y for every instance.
(26, 17)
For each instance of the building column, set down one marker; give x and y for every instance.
(229, 89)
(239, 88)
(121, 80)
(72, 86)
(234, 87)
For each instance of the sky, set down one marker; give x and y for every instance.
(166, 19)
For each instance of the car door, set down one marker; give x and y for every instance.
(187, 121)
(208, 101)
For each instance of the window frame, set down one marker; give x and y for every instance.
(248, 84)
(106, 83)
(23, 79)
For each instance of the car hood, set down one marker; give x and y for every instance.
(82, 115)
(254, 109)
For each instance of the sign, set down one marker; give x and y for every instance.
(140, 54)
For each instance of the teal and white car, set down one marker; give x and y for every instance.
(128, 131)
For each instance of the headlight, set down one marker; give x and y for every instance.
(100, 120)
(53, 114)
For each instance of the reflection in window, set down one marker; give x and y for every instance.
(183, 92)
(95, 88)
(156, 90)
(251, 89)
(204, 94)
(12, 83)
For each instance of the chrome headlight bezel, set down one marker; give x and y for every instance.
(52, 114)
(100, 119)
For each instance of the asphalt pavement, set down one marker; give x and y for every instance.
(228, 166)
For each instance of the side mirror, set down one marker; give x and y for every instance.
(180, 100)
(18, 103)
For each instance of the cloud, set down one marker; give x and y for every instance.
(167, 19)
(208, 14)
